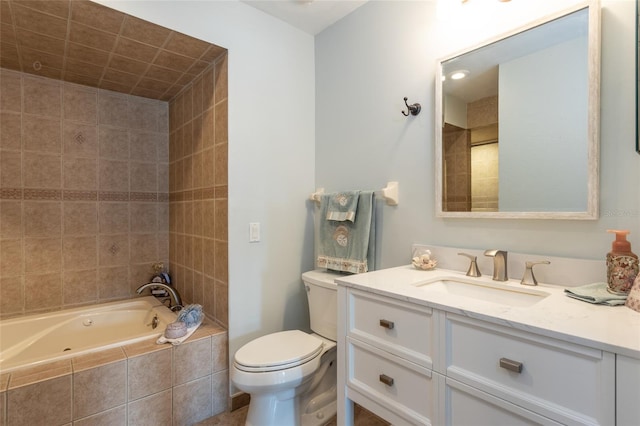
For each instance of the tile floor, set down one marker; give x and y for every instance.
(237, 417)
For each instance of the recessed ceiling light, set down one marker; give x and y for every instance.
(459, 74)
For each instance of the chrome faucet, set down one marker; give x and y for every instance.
(499, 264)
(177, 300)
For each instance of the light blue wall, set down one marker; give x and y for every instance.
(367, 62)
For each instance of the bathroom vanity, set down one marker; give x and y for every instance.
(438, 347)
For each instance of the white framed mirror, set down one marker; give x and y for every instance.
(517, 137)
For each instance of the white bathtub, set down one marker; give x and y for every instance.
(41, 338)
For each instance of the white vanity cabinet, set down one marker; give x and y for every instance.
(516, 377)
(389, 347)
(413, 364)
(627, 391)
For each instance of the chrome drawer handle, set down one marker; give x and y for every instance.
(386, 324)
(386, 380)
(511, 365)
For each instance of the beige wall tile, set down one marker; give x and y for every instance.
(113, 217)
(192, 360)
(80, 103)
(79, 287)
(10, 130)
(144, 177)
(222, 303)
(114, 143)
(208, 88)
(148, 374)
(44, 403)
(192, 402)
(144, 217)
(144, 247)
(10, 91)
(113, 250)
(221, 118)
(144, 114)
(41, 134)
(42, 255)
(220, 391)
(79, 253)
(153, 410)
(80, 173)
(113, 175)
(220, 168)
(80, 218)
(208, 127)
(42, 218)
(221, 219)
(113, 282)
(113, 110)
(42, 97)
(10, 169)
(209, 300)
(42, 170)
(219, 348)
(10, 219)
(11, 258)
(143, 146)
(115, 416)
(221, 78)
(42, 291)
(99, 389)
(11, 295)
(80, 140)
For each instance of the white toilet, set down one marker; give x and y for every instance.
(291, 375)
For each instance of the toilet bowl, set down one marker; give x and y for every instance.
(291, 375)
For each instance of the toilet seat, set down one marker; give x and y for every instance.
(278, 351)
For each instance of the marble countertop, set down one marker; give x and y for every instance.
(609, 328)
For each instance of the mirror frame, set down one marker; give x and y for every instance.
(593, 123)
(638, 76)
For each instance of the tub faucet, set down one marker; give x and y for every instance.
(177, 300)
(499, 264)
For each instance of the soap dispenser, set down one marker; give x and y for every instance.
(622, 264)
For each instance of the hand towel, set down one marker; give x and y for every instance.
(596, 293)
(342, 206)
(348, 246)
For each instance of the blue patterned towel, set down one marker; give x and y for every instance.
(342, 206)
(596, 293)
(348, 246)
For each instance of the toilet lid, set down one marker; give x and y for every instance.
(277, 351)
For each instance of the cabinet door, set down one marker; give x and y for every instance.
(627, 391)
(464, 405)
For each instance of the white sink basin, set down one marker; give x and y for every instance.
(476, 289)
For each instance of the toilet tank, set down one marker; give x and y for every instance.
(322, 294)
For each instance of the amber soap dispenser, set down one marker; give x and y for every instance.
(622, 264)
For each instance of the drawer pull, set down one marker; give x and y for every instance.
(511, 365)
(386, 380)
(386, 324)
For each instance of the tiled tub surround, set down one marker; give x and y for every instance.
(138, 384)
(198, 191)
(84, 182)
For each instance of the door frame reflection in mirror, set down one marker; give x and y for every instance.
(638, 76)
(593, 124)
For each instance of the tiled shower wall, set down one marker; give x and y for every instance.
(198, 191)
(84, 181)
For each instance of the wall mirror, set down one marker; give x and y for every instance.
(517, 122)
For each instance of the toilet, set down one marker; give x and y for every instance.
(291, 375)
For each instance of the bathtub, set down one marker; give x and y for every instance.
(36, 339)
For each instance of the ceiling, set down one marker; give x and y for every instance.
(311, 16)
(86, 43)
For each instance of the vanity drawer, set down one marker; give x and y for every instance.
(406, 389)
(563, 381)
(403, 329)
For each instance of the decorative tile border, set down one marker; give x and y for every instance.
(75, 195)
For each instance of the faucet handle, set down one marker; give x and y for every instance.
(473, 270)
(529, 278)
